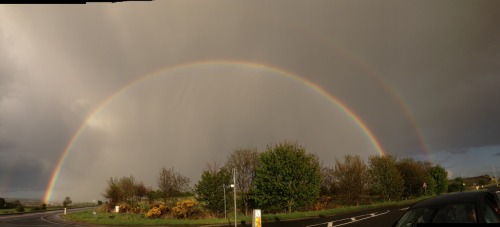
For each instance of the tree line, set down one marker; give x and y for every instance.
(285, 178)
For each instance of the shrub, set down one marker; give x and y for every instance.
(19, 208)
(44, 206)
(124, 208)
(136, 210)
(185, 209)
(104, 208)
(144, 205)
(154, 213)
(157, 211)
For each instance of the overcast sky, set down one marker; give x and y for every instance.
(423, 76)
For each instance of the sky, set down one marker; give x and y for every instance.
(89, 92)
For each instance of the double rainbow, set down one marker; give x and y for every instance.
(55, 174)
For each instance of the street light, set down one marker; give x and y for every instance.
(234, 189)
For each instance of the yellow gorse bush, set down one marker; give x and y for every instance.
(153, 213)
(157, 212)
(184, 209)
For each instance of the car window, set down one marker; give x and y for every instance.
(452, 213)
(419, 215)
(456, 213)
(491, 211)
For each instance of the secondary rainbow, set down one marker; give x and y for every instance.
(105, 102)
(374, 74)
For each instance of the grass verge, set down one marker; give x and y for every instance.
(140, 219)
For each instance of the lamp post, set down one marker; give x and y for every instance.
(234, 190)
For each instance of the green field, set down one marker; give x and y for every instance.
(101, 218)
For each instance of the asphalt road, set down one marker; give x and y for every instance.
(375, 217)
(48, 218)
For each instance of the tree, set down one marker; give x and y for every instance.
(327, 180)
(2, 203)
(67, 201)
(140, 191)
(431, 185)
(414, 175)
(153, 195)
(286, 178)
(113, 192)
(245, 162)
(385, 179)
(172, 183)
(458, 185)
(440, 176)
(19, 208)
(126, 185)
(351, 178)
(210, 189)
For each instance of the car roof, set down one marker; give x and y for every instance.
(456, 197)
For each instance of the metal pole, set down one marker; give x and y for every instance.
(225, 212)
(234, 181)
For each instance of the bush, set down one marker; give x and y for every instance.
(44, 206)
(185, 209)
(19, 208)
(157, 211)
(124, 208)
(136, 210)
(104, 208)
(154, 213)
(141, 207)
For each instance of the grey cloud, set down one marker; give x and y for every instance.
(402, 68)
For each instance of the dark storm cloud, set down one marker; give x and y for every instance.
(21, 174)
(437, 61)
(450, 55)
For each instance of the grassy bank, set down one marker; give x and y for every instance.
(140, 219)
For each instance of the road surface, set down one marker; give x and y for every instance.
(375, 217)
(38, 219)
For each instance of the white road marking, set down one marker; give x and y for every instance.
(406, 208)
(351, 219)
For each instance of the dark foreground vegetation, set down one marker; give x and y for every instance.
(283, 179)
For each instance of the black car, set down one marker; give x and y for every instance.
(459, 207)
